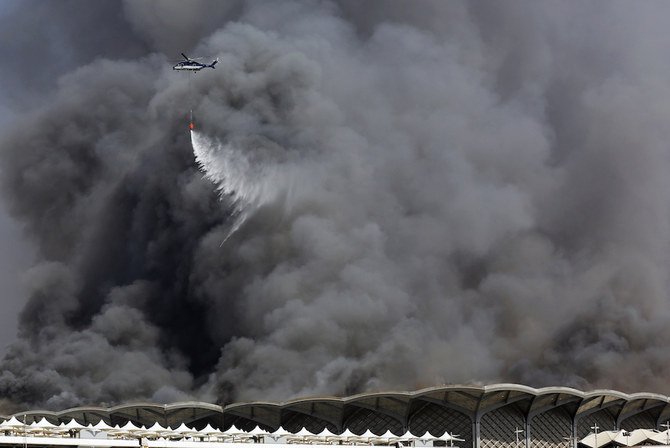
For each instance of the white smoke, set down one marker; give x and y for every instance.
(247, 184)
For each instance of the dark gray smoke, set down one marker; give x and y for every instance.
(442, 192)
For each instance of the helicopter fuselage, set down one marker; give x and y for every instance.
(192, 66)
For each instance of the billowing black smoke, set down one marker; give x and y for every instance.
(384, 197)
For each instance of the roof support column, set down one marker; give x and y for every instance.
(475, 431)
(526, 430)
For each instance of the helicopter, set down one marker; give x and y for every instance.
(191, 65)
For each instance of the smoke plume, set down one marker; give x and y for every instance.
(374, 197)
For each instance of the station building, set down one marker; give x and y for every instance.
(493, 416)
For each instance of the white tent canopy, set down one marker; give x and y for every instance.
(209, 430)
(257, 431)
(210, 434)
(43, 424)
(100, 426)
(232, 431)
(625, 438)
(326, 434)
(408, 436)
(130, 427)
(183, 429)
(280, 432)
(660, 437)
(303, 433)
(388, 435)
(368, 434)
(13, 422)
(346, 434)
(73, 424)
(158, 428)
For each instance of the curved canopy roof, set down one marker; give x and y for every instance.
(334, 412)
